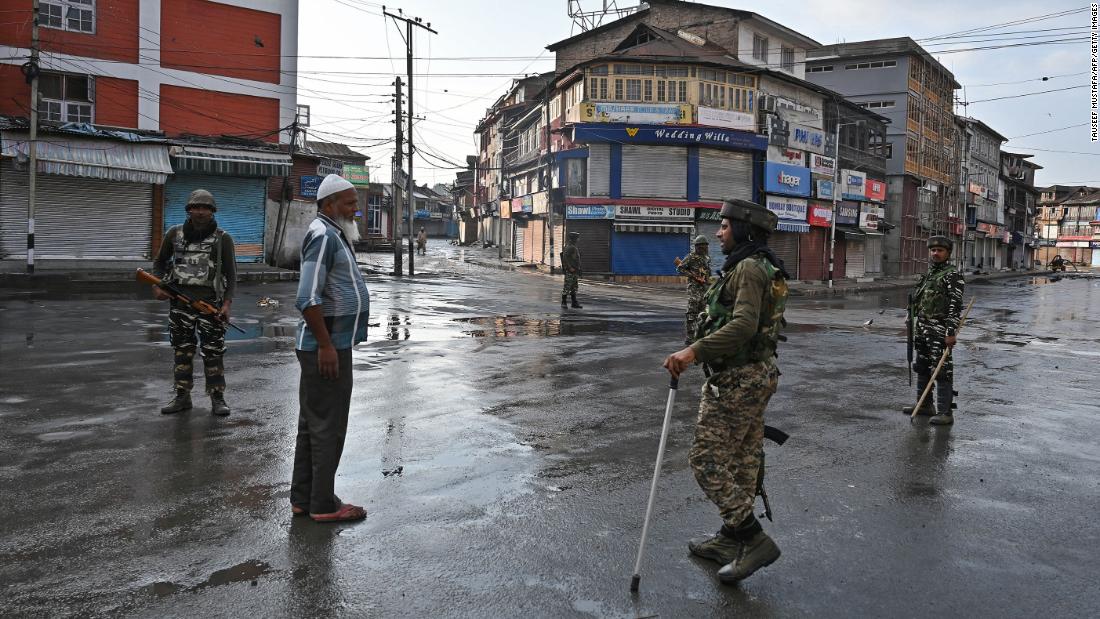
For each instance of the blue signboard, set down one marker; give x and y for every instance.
(683, 136)
(847, 213)
(422, 213)
(309, 186)
(590, 211)
(787, 180)
(825, 190)
(852, 185)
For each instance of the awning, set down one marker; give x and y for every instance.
(793, 226)
(661, 228)
(228, 162)
(851, 231)
(117, 161)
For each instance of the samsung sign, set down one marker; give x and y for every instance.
(788, 180)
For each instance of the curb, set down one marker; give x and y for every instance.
(24, 280)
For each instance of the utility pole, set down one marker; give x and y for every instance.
(396, 186)
(32, 72)
(549, 171)
(284, 198)
(409, 23)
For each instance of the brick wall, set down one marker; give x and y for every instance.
(207, 37)
(16, 95)
(115, 36)
(116, 102)
(203, 112)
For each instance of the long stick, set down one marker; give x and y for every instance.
(943, 358)
(672, 386)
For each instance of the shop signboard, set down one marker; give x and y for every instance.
(727, 118)
(821, 214)
(852, 185)
(650, 114)
(820, 164)
(590, 211)
(788, 209)
(781, 178)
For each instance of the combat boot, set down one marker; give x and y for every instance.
(926, 409)
(180, 403)
(944, 395)
(563, 300)
(217, 404)
(721, 547)
(757, 551)
(575, 304)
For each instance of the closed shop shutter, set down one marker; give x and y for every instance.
(559, 240)
(709, 229)
(594, 244)
(75, 217)
(724, 174)
(654, 171)
(520, 238)
(872, 255)
(647, 253)
(854, 266)
(241, 208)
(536, 235)
(840, 256)
(599, 170)
(813, 257)
(785, 246)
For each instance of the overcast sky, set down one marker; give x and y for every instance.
(482, 44)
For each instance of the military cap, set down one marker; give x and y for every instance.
(940, 241)
(750, 212)
(701, 240)
(574, 235)
(202, 197)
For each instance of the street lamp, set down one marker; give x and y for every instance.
(836, 196)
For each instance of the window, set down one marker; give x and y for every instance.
(618, 90)
(576, 180)
(633, 90)
(648, 90)
(65, 98)
(821, 69)
(874, 105)
(871, 65)
(73, 15)
(660, 90)
(760, 47)
(786, 58)
(374, 215)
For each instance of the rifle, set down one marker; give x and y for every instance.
(909, 337)
(177, 293)
(694, 278)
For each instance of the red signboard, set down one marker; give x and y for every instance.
(875, 190)
(821, 214)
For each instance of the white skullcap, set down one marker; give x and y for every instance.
(333, 183)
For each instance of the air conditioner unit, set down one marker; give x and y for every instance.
(767, 103)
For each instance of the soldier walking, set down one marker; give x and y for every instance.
(199, 257)
(571, 266)
(696, 266)
(936, 306)
(739, 333)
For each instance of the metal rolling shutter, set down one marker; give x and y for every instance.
(241, 208)
(518, 244)
(647, 253)
(724, 174)
(708, 229)
(75, 217)
(854, 266)
(654, 171)
(559, 240)
(872, 255)
(785, 246)
(599, 170)
(594, 244)
(813, 256)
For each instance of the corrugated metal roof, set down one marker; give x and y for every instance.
(119, 161)
(332, 149)
(229, 162)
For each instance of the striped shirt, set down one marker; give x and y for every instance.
(331, 278)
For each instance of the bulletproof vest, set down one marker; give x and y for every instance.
(198, 264)
(763, 343)
(931, 299)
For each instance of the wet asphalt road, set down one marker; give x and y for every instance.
(503, 449)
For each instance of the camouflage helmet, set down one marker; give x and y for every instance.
(940, 241)
(750, 212)
(574, 236)
(201, 197)
(701, 240)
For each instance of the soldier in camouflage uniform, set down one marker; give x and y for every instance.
(571, 266)
(696, 266)
(200, 258)
(937, 305)
(738, 337)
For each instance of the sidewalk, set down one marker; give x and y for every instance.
(13, 273)
(487, 257)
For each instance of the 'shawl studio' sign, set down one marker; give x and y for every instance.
(654, 212)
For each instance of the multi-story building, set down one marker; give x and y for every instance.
(898, 79)
(462, 193)
(979, 190)
(1069, 224)
(139, 103)
(1020, 198)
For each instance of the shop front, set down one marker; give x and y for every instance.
(788, 187)
(646, 240)
(594, 223)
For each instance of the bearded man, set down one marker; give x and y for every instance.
(335, 306)
(200, 258)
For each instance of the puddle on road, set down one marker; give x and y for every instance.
(242, 572)
(521, 326)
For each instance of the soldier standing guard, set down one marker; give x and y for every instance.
(740, 330)
(571, 266)
(199, 257)
(696, 266)
(936, 305)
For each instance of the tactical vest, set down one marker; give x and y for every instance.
(762, 345)
(931, 299)
(198, 264)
